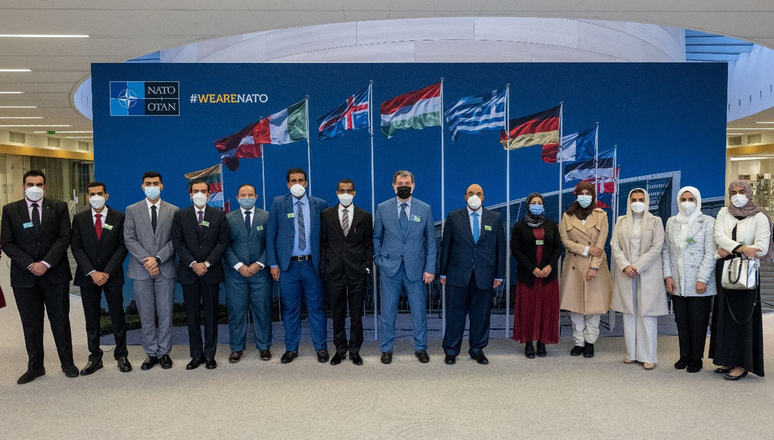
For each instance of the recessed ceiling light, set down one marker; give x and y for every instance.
(737, 159)
(18, 106)
(80, 137)
(65, 132)
(21, 117)
(15, 70)
(734, 134)
(764, 122)
(31, 126)
(11, 93)
(41, 36)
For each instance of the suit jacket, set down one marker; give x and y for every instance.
(351, 255)
(246, 247)
(524, 250)
(194, 244)
(280, 231)
(460, 255)
(417, 249)
(142, 242)
(24, 247)
(106, 254)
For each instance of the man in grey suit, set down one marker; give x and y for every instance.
(247, 283)
(404, 251)
(148, 237)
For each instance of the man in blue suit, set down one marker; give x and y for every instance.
(404, 251)
(293, 253)
(472, 266)
(247, 283)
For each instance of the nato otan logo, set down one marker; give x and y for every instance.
(144, 98)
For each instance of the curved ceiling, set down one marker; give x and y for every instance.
(121, 30)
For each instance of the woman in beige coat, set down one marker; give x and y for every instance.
(585, 287)
(639, 294)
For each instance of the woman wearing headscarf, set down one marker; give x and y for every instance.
(536, 246)
(585, 287)
(638, 238)
(736, 341)
(689, 274)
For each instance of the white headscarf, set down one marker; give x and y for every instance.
(681, 216)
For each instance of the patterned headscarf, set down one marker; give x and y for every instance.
(575, 208)
(532, 220)
(750, 209)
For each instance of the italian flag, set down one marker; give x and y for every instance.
(283, 127)
(412, 111)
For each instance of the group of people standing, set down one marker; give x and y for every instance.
(316, 252)
(685, 259)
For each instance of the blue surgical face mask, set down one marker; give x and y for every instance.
(152, 192)
(584, 200)
(247, 202)
(536, 209)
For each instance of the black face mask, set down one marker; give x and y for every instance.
(404, 192)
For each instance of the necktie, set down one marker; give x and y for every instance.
(201, 219)
(476, 228)
(301, 228)
(98, 225)
(403, 219)
(154, 218)
(247, 220)
(345, 221)
(36, 218)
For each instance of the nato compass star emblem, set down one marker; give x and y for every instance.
(127, 99)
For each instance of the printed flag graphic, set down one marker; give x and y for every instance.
(538, 129)
(474, 114)
(412, 111)
(587, 169)
(350, 115)
(214, 176)
(575, 147)
(240, 145)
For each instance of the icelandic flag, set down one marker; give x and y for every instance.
(352, 114)
(574, 147)
(586, 170)
(474, 114)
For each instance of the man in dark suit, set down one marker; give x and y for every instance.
(293, 253)
(472, 266)
(347, 249)
(35, 235)
(200, 236)
(248, 284)
(98, 248)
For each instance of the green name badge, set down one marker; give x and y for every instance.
(416, 219)
(205, 223)
(260, 228)
(487, 228)
(539, 242)
(690, 240)
(28, 225)
(291, 215)
(107, 226)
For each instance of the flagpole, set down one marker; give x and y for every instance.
(443, 215)
(561, 156)
(507, 206)
(263, 175)
(373, 199)
(596, 154)
(308, 147)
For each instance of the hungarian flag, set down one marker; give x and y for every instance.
(214, 176)
(240, 145)
(412, 111)
(538, 129)
(283, 127)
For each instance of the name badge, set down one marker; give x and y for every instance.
(28, 225)
(539, 242)
(487, 228)
(259, 228)
(416, 218)
(107, 226)
(205, 223)
(291, 215)
(690, 240)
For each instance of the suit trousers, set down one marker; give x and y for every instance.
(390, 292)
(255, 294)
(53, 300)
(91, 297)
(302, 283)
(343, 291)
(692, 315)
(198, 296)
(460, 302)
(155, 297)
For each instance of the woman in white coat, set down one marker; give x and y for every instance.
(689, 275)
(639, 293)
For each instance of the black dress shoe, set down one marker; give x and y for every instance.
(695, 365)
(288, 357)
(422, 356)
(730, 377)
(322, 356)
(30, 375)
(450, 359)
(210, 364)
(481, 358)
(356, 359)
(588, 350)
(235, 356)
(149, 362)
(337, 358)
(124, 365)
(91, 367)
(721, 370)
(386, 357)
(682, 362)
(71, 371)
(529, 351)
(577, 350)
(265, 355)
(165, 362)
(195, 362)
(541, 349)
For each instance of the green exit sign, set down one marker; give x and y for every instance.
(51, 132)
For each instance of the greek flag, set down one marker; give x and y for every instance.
(474, 114)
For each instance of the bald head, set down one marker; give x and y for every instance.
(474, 190)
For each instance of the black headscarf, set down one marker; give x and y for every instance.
(532, 220)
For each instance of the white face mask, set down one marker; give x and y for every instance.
(474, 202)
(199, 199)
(345, 199)
(738, 200)
(34, 193)
(638, 207)
(688, 207)
(97, 202)
(297, 190)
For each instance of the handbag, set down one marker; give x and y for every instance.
(740, 273)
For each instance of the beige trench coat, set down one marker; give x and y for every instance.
(576, 294)
(651, 299)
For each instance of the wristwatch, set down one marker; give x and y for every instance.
(158, 260)
(207, 264)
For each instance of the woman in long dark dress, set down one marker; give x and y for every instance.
(736, 342)
(536, 245)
